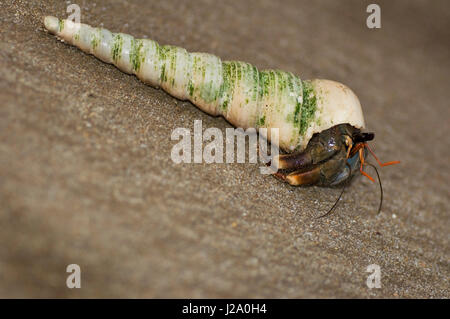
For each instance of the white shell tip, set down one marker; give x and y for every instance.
(51, 24)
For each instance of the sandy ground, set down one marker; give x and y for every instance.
(86, 175)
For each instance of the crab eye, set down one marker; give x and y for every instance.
(363, 137)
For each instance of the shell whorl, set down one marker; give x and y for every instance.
(238, 91)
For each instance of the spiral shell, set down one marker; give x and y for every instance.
(238, 91)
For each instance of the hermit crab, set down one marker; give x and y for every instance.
(319, 121)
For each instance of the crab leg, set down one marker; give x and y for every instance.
(300, 177)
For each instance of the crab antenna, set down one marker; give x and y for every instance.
(379, 163)
(347, 181)
(381, 187)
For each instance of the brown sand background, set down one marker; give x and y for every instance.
(86, 175)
